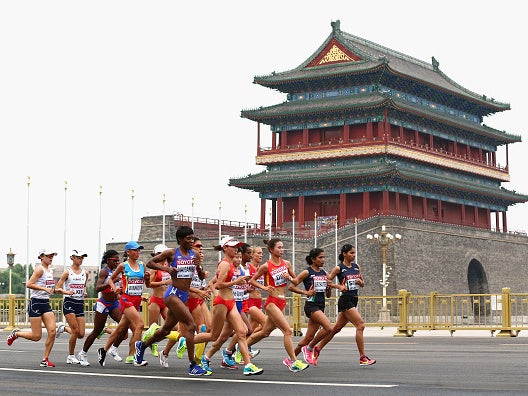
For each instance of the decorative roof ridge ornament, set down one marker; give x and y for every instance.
(435, 63)
(336, 26)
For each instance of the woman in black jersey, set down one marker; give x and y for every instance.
(350, 280)
(316, 287)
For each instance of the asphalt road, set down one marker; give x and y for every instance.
(421, 365)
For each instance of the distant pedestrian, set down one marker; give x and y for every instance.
(42, 286)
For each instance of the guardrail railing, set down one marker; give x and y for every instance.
(503, 313)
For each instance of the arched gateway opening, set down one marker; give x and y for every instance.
(478, 284)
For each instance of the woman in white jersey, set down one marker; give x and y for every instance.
(74, 281)
(42, 286)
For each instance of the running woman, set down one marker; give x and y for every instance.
(181, 269)
(350, 280)
(224, 308)
(42, 286)
(133, 277)
(277, 272)
(241, 294)
(72, 283)
(107, 305)
(159, 283)
(316, 287)
(257, 318)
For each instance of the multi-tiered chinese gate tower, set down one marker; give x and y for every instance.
(370, 131)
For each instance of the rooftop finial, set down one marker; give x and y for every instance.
(336, 26)
(436, 64)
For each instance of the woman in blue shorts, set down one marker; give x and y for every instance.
(42, 286)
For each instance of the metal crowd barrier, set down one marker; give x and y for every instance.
(504, 313)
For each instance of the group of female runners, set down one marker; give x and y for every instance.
(180, 295)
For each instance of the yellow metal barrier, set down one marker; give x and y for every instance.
(505, 313)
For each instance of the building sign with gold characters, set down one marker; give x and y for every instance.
(334, 52)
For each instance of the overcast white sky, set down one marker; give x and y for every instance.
(144, 95)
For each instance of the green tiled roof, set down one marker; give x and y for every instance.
(343, 107)
(374, 57)
(385, 172)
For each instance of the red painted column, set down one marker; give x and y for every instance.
(262, 214)
(258, 138)
(380, 130)
(366, 204)
(385, 202)
(439, 206)
(424, 208)
(463, 213)
(497, 225)
(279, 213)
(504, 222)
(305, 136)
(369, 130)
(409, 205)
(476, 216)
(397, 203)
(273, 140)
(301, 211)
(342, 210)
(488, 219)
(346, 133)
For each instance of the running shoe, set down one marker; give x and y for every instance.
(164, 360)
(129, 359)
(154, 350)
(71, 359)
(205, 364)
(294, 366)
(307, 355)
(12, 336)
(298, 365)
(365, 361)
(182, 347)
(227, 365)
(113, 352)
(101, 356)
(46, 363)
(315, 354)
(227, 360)
(238, 355)
(82, 359)
(150, 331)
(253, 352)
(196, 370)
(251, 369)
(138, 356)
(60, 329)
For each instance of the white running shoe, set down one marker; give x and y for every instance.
(113, 352)
(60, 329)
(82, 359)
(164, 360)
(72, 360)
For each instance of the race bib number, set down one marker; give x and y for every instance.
(351, 283)
(319, 283)
(279, 276)
(78, 290)
(185, 271)
(135, 287)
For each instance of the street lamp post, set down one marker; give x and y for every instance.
(384, 239)
(10, 263)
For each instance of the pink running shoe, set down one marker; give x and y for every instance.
(307, 355)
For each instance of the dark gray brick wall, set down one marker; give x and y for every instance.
(429, 257)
